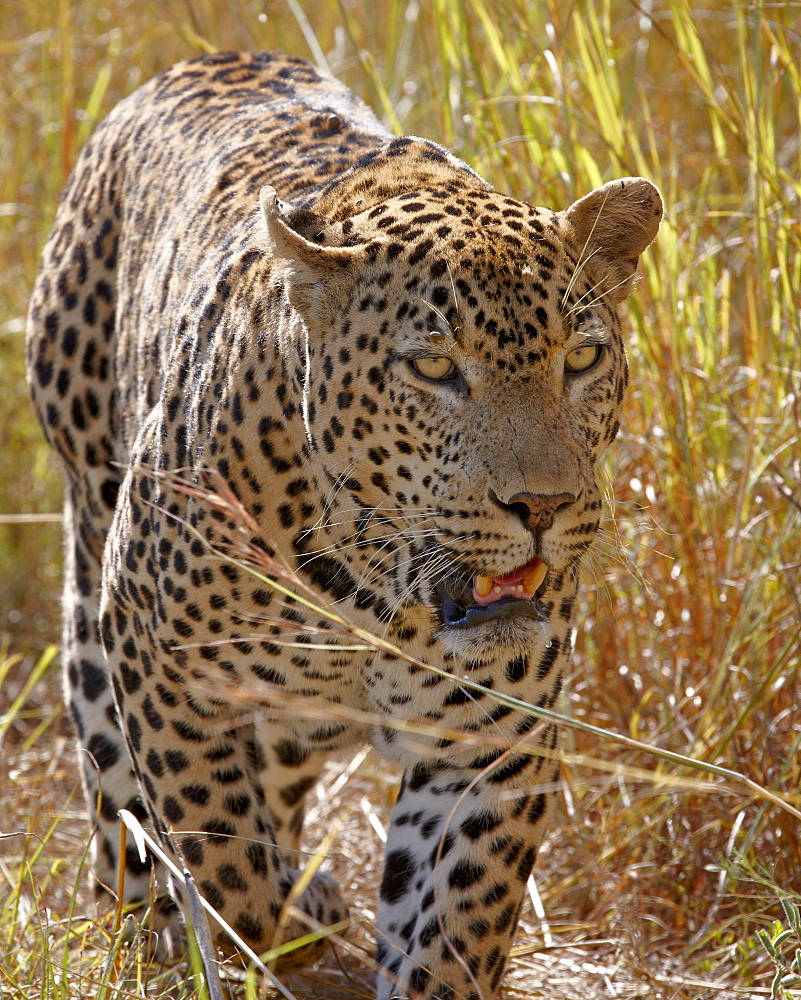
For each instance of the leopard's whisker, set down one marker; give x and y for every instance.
(580, 303)
(436, 560)
(362, 540)
(439, 313)
(367, 518)
(583, 261)
(396, 567)
(584, 256)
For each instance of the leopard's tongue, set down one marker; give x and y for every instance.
(521, 583)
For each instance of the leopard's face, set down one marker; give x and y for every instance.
(461, 369)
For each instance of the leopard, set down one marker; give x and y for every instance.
(405, 379)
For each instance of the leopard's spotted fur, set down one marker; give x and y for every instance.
(377, 360)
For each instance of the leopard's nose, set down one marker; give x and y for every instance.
(536, 510)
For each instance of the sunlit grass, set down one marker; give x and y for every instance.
(689, 632)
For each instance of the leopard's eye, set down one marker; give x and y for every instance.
(434, 367)
(583, 358)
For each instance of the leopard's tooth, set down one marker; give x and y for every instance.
(535, 576)
(483, 585)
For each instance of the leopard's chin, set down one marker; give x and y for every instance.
(456, 616)
(513, 634)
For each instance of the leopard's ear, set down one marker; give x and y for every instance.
(613, 225)
(306, 249)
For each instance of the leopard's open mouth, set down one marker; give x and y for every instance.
(481, 599)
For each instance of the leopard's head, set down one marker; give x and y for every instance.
(460, 368)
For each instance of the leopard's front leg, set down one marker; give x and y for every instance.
(461, 846)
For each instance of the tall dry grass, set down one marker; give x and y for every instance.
(690, 634)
